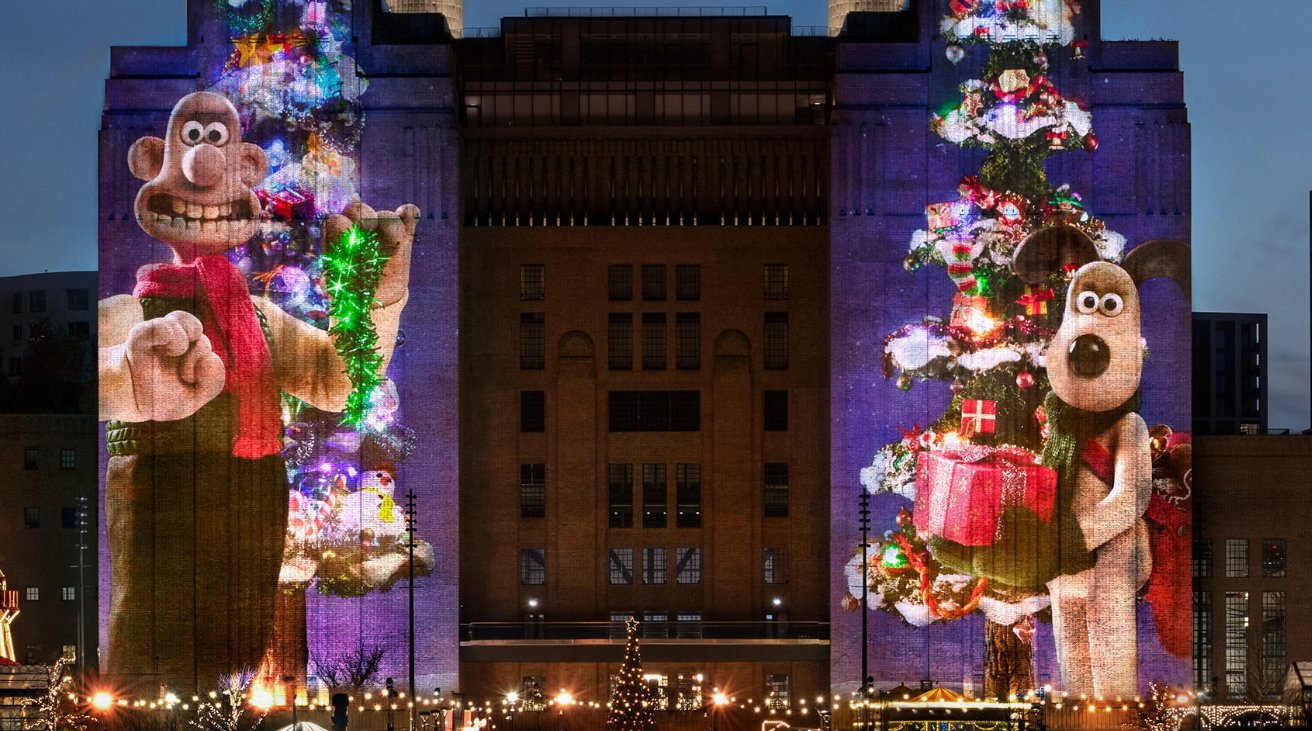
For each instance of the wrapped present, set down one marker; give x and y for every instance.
(963, 492)
(1035, 300)
(978, 416)
(289, 204)
(942, 216)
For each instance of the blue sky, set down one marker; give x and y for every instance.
(1245, 67)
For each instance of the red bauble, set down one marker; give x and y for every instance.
(1090, 142)
(1025, 379)
(903, 518)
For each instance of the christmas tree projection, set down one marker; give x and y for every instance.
(628, 707)
(945, 559)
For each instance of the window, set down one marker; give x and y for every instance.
(653, 411)
(620, 566)
(688, 565)
(533, 566)
(532, 411)
(655, 625)
(1236, 558)
(775, 411)
(657, 684)
(776, 691)
(688, 495)
(776, 340)
(15, 365)
(78, 300)
(619, 478)
(532, 282)
(653, 496)
(36, 301)
(1273, 640)
(1236, 644)
(532, 341)
(653, 282)
(619, 626)
(31, 517)
(688, 341)
(653, 565)
(67, 459)
(653, 341)
(776, 281)
(688, 625)
(688, 692)
(32, 594)
(619, 282)
(619, 341)
(31, 459)
(1203, 558)
(80, 330)
(531, 692)
(68, 593)
(18, 303)
(776, 566)
(68, 517)
(687, 282)
(1273, 557)
(532, 491)
(776, 490)
(1202, 652)
(18, 334)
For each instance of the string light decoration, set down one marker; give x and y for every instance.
(629, 709)
(352, 267)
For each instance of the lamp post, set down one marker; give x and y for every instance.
(866, 680)
(410, 544)
(718, 701)
(391, 705)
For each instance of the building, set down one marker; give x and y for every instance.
(63, 300)
(1230, 373)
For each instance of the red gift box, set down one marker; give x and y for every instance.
(962, 491)
(978, 416)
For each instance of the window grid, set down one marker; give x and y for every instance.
(619, 341)
(653, 341)
(1202, 645)
(654, 565)
(688, 691)
(654, 497)
(776, 281)
(32, 594)
(688, 341)
(532, 411)
(31, 458)
(36, 301)
(619, 566)
(688, 569)
(1203, 558)
(1273, 558)
(619, 478)
(655, 625)
(532, 282)
(619, 282)
(687, 282)
(532, 341)
(653, 282)
(1236, 558)
(776, 691)
(776, 490)
(533, 566)
(1236, 644)
(688, 625)
(533, 491)
(79, 300)
(68, 593)
(67, 459)
(1273, 640)
(532, 693)
(775, 566)
(688, 495)
(776, 340)
(657, 684)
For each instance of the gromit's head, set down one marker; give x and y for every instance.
(198, 197)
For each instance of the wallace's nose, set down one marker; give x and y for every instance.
(203, 165)
(1089, 356)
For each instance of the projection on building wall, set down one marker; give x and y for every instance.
(1030, 520)
(254, 491)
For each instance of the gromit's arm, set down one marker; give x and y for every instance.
(1131, 488)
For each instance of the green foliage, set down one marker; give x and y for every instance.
(352, 267)
(1017, 166)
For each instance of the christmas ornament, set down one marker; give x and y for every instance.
(893, 557)
(957, 386)
(955, 53)
(1090, 142)
(905, 382)
(911, 263)
(903, 518)
(1024, 379)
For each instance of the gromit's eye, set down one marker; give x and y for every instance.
(1112, 304)
(216, 133)
(1086, 302)
(192, 133)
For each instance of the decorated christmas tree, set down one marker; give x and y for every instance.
(628, 707)
(944, 561)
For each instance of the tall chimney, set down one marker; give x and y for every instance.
(454, 11)
(838, 10)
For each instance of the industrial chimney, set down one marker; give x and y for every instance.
(453, 10)
(838, 10)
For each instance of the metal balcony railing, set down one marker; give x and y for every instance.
(673, 630)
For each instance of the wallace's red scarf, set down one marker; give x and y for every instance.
(235, 334)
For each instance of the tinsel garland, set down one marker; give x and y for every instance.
(352, 268)
(241, 23)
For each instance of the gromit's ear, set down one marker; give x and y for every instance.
(254, 164)
(1160, 258)
(1050, 249)
(146, 157)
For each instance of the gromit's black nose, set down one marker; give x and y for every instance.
(1089, 356)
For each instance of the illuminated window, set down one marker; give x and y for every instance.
(68, 593)
(775, 411)
(532, 411)
(619, 282)
(653, 282)
(1236, 558)
(532, 341)
(619, 478)
(31, 459)
(776, 490)
(653, 565)
(31, 517)
(1236, 644)
(32, 594)
(532, 282)
(776, 566)
(687, 282)
(776, 340)
(1273, 641)
(776, 281)
(619, 341)
(688, 691)
(654, 496)
(1203, 558)
(1273, 557)
(688, 565)
(658, 687)
(1202, 651)
(777, 691)
(688, 341)
(532, 566)
(653, 341)
(532, 491)
(79, 300)
(36, 301)
(655, 625)
(67, 459)
(619, 566)
(688, 625)
(531, 693)
(688, 495)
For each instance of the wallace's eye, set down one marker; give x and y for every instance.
(216, 133)
(192, 133)
(1112, 304)
(1086, 302)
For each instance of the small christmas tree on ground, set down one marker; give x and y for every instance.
(628, 707)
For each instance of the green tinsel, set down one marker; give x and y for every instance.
(352, 268)
(244, 24)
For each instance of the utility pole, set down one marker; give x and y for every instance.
(410, 543)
